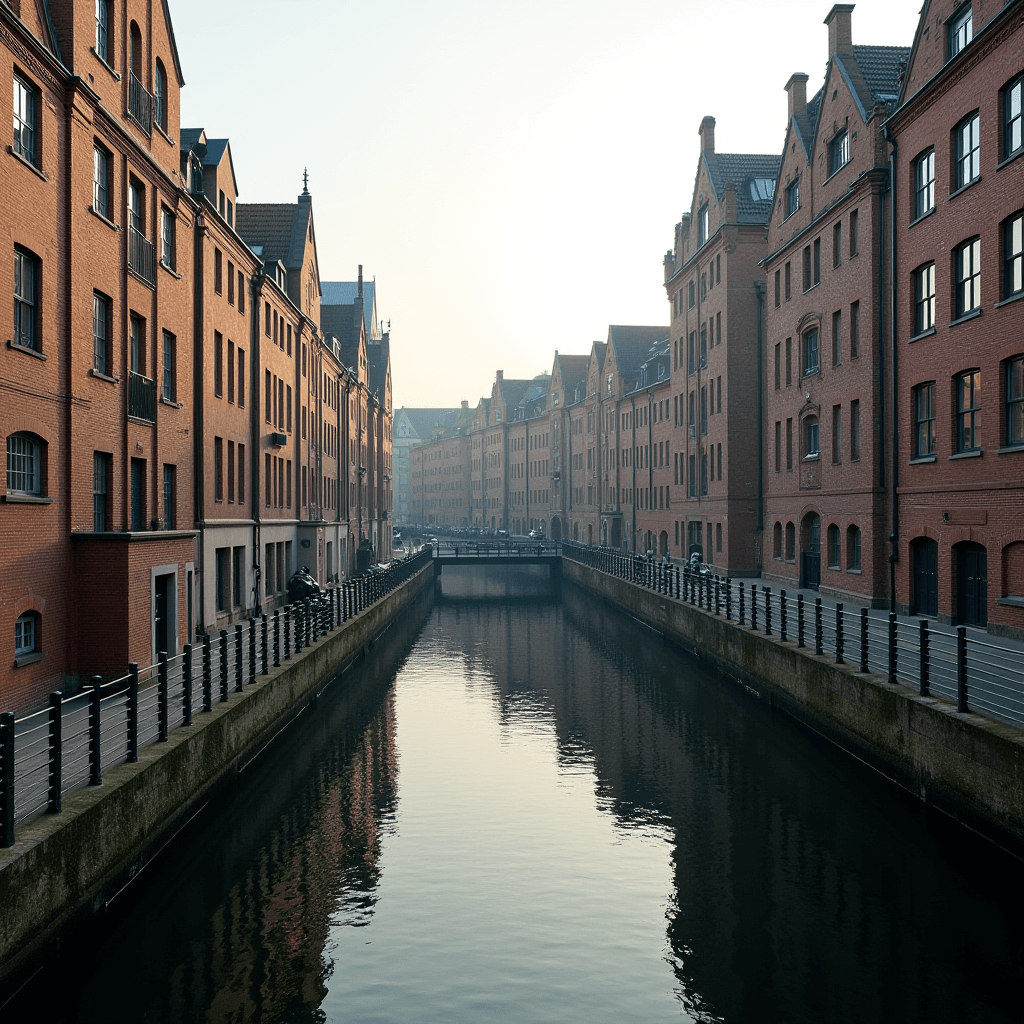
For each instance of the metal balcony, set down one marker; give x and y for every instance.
(141, 397)
(140, 104)
(141, 255)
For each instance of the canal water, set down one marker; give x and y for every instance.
(526, 807)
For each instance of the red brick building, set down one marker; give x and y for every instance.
(959, 323)
(827, 420)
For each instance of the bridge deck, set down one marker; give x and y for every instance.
(496, 554)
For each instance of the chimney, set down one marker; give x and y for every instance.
(797, 89)
(465, 404)
(499, 376)
(359, 292)
(707, 135)
(840, 33)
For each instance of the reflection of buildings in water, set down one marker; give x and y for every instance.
(266, 950)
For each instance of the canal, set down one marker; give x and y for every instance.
(526, 807)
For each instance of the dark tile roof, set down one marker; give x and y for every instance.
(632, 345)
(426, 421)
(738, 169)
(215, 149)
(188, 137)
(573, 369)
(268, 225)
(881, 68)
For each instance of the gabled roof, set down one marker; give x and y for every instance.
(174, 45)
(280, 228)
(632, 345)
(738, 170)
(572, 369)
(806, 125)
(881, 68)
(345, 293)
(188, 137)
(426, 421)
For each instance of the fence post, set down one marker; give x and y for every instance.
(56, 753)
(819, 632)
(133, 712)
(782, 616)
(299, 629)
(839, 633)
(223, 666)
(186, 670)
(277, 638)
(800, 620)
(95, 770)
(728, 597)
(287, 632)
(207, 673)
(863, 639)
(264, 654)
(922, 646)
(767, 611)
(961, 668)
(161, 696)
(892, 647)
(718, 595)
(239, 667)
(7, 775)
(743, 617)
(252, 652)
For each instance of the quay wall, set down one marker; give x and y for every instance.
(965, 765)
(65, 868)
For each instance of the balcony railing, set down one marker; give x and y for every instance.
(140, 103)
(141, 255)
(141, 397)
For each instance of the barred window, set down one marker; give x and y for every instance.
(23, 464)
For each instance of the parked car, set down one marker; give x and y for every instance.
(503, 534)
(536, 535)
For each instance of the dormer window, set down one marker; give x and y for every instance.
(792, 197)
(960, 30)
(838, 151)
(702, 225)
(762, 189)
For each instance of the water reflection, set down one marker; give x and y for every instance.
(529, 809)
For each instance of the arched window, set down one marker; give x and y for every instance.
(777, 533)
(26, 635)
(160, 95)
(135, 53)
(853, 548)
(833, 546)
(24, 464)
(790, 542)
(812, 443)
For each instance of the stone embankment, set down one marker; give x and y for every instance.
(65, 868)
(967, 766)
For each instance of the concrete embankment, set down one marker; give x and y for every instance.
(966, 765)
(67, 867)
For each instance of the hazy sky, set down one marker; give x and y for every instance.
(510, 171)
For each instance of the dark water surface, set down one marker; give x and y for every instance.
(527, 808)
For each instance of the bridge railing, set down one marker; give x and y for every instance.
(510, 549)
(67, 744)
(977, 675)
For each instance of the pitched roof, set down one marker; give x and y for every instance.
(426, 421)
(345, 293)
(881, 68)
(632, 345)
(572, 368)
(268, 225)
(215, 149)
(188, 137)
(739, 169)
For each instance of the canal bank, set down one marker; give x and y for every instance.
(964, 765)
(63, 869)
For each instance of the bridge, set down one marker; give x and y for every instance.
(511, 552)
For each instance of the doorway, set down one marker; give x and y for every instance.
(164, 626)
(924, 563)
(971, 584)
(810, 551)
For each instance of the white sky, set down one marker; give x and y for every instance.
(510, 171)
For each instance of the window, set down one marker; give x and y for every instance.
(778, 446)
(101, 463)
(103, 42)
(811, 364)
(25, 634)
(778, 366)
(231, 371)
(218, 271)
(170, 517)
(25, 106)
(837, 434)
(789, 361)
(24, 464)
(231, 283)
(807, 267)
(218, 469)
(223, 557)
(1015, 400)
(812, 447)
(838, 151)
(170, 352)
(855, 430)
(777, 541)
(167, 238)
(1012, 138)
(702, 225)
(241, 292)
(762, 189)
(691, 296)
(137, 345)
(792, 197)
(26, 282)
(960, 30)
(1013, 256)
(968, 411)
(837, 337)
(966, 143)
(967, 259)
(817, 261)
(837, 244)
(853, 549)
(231, 471)
(790, 542)
(778, 289)
(136, 207)
(160, 95)
(833, 546)
(101, 202)
(218, 364)
(854, 329)
(924, 420)
(789, 445)
(237, 576)
(854, 235)
(789, 280)
(924, 298)
(924, 183)
(241, 378)
(241, 473)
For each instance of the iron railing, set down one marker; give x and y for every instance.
(141, 255)
(141, 397)
(68, 744)
(140, 103)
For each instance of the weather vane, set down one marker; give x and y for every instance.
(305, 181)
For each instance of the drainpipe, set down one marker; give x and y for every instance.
(632, 525)
(759, 292)
(650, 458)
(255, 400)
(198, 382)
(893, 306)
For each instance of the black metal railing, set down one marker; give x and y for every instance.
(141, 397)
(939, 661)
(67, 744)
(140, 103)
(141, 255)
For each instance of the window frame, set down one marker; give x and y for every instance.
(967, 151)
(703, 222)
(26, 302)
(808, 365)
(959, 31)
(811, 435)
(924, 301)
(169, 368)
(967, 416)
(1014, 89)
(833, 547)
(104, 42)
(1013, 398)
(923, 413)
(967, 277)
(102, 463)
(32, 449)
(102, 201)
(29, 621)
(160, 95)
(854, 545)
(1013, 255)
(924, 183)
(838, 151)
(168, 239)
(792, 198)
(102, 323)
(26, 111)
